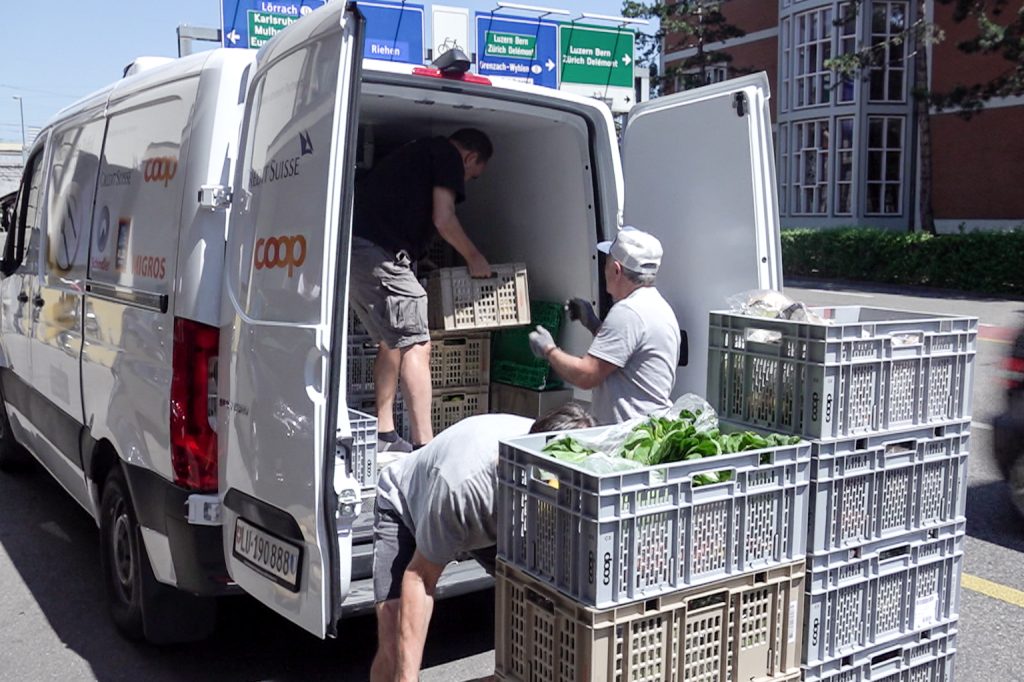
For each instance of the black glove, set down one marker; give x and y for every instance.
(580, 309)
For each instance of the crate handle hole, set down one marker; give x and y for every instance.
(886, 657)
(762, 336)
(894, 553)
(761, 577)
(904, 446)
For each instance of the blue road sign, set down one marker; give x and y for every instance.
(517, 47)
(249, 24)
(394, 31)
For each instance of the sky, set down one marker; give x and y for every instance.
(55, 51)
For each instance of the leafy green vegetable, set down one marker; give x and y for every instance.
(568, 449)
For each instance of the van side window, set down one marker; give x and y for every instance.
(72, 188)
(285, 172)
(23, 241)
(141, 189)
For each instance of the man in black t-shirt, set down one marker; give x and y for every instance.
(398, 207)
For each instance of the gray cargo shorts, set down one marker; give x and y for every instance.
(387, 297)
(393, 547)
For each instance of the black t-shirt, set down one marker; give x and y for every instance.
(394, 202)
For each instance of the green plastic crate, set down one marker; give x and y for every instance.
(511, 359)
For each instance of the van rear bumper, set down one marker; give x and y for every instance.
(196, 551)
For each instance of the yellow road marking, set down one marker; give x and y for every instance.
(994, 590)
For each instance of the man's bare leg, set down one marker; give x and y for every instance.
(386, 659)
(416, 384)
(385, 385)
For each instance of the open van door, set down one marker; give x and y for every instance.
(700, 175)
(286, 520)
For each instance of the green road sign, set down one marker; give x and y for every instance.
(514, 45)
(263, 26)
(595, 55)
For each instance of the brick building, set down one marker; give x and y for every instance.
(846, 152)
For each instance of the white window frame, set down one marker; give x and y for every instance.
(783, 143)
(846, 43)
(819, 188)
(839, 153)
(786, 36)
(885, 181)
(807, 75)
(883, 67)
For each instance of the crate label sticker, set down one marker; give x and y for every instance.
(924, 611)
(792, 621)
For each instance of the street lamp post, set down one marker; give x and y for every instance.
(21, 107)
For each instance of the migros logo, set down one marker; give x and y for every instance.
(286, 251)
(159, 169)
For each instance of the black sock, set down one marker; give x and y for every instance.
(417, 446)
(388, 436)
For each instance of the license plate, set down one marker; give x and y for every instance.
(268, 554)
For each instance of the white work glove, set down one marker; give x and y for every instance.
(541, 343)
(580, 309)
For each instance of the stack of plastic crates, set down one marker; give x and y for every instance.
(646, 574)
(884, 397)
(460, 372)
(514, 364)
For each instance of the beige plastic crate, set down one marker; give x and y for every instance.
(449, 407)
(460, 360)
(457, 301)
(743, 628)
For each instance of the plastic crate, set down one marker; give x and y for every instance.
(368, 403)
(361, 361)
(355, 326)
(364, 448)
(456, 301)
(609, 539)
(461, 360)
(449, 407)
(882, 592)
(885, 485)
(928, 656)
(873, 370)
(744, 628)
(536, 377)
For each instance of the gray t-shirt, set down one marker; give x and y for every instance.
(640, 336)
(445, 492)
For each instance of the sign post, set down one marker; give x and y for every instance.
(394, 31)
(249, 24)
(597, 61)
(517, 47)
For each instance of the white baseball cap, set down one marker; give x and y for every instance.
(635, 249)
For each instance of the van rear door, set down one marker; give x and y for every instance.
(700, 175)
(280, 379)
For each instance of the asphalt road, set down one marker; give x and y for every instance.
(54, 624)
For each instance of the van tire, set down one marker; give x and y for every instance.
(12, 456)
(142, 607)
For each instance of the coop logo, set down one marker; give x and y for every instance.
(287, 251)
(159, 169)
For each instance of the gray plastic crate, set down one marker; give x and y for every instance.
(361, 360)
(928, 656)
(364, 448)
(460, 360)
(368, 403)
(609, 539)
(885, 485)
(873, 370)
(882, 592)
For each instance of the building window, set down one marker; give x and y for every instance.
(813, 45)
(888, 69)
(783, 143)
(885, 165)
(847, 45)
(810, 167)
(844, 166)
(787, 54)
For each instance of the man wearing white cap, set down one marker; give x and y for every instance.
(631, 364)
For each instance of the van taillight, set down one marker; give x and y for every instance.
(464, 77)
(193, 405)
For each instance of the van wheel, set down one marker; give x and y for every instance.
(122, 554)
(12, 456)
(142, 607)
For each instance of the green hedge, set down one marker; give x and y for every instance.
(989, 262)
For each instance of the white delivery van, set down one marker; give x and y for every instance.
(173, 322)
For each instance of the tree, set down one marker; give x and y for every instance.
(684, 25)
